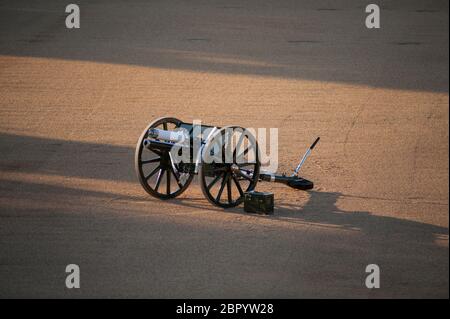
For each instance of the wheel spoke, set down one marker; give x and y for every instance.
(224, 181)
(238, 185)
(157, 152)
(246, 150)
(177, 178)
(153, 173)
(214, 181)
(165, 126)
(168, 182)
(175, 172)
(230, 197)
(158, 181)
(153, 160)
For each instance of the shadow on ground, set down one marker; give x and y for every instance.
(327, 241)
(311, 40)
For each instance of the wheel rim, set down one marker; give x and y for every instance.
(224, 184)
(157, 173)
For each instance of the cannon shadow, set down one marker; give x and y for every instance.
(412, 255)
(328, 241)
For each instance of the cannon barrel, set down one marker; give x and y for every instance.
(160, 145)
(172, 136)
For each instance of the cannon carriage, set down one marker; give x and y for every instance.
(170, 152)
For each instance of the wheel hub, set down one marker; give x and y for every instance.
(234, 168)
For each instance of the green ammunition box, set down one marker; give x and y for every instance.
(258, 202)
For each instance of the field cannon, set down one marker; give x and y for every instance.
(227, 159)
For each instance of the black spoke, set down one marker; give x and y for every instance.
(158, 181)
(238, 185)
(246, 150)
(168, 182)
(214, 181)
(157, 152)
(224, 181)
(230, 199)
(153, 160)
(153, 173)
(177, 178)
(165, 126)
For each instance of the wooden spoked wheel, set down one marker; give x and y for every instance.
(157, 173)
(230, 166)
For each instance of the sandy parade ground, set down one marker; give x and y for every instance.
(73, 103)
